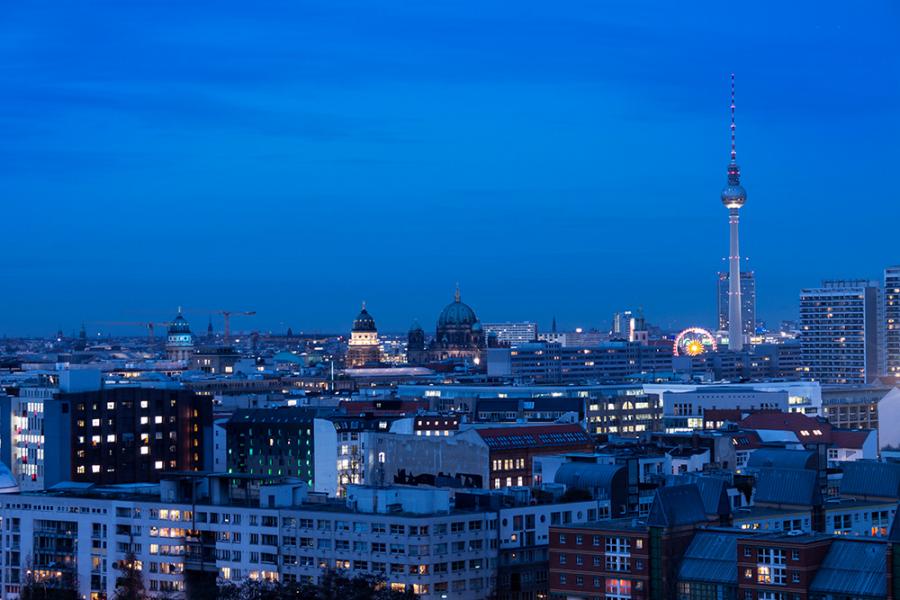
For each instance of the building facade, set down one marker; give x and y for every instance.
(840, 327)
(363, 348)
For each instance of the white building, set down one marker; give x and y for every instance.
(512, 333)
(409, 536)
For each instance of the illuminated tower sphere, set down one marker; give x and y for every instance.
(179, 340)
(364, 347)
(733, 197)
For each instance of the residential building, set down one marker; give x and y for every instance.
(841, 331)
(892, 321)
(196, 530)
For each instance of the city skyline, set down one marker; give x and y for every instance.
(161, 164)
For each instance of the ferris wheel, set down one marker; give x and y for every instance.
(694, 341)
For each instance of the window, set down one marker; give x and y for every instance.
(770, 567)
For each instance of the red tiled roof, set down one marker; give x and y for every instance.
(746, 440)
(846, 438)
(804, 427)
(538, 436)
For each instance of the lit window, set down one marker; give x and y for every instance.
(111, 437)
(95, 468)
(145, 450)
(143, 404)
(158, 464)
(144, 420)
(157, 420)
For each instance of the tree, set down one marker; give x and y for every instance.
(130, 582)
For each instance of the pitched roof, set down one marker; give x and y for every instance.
(540, 436)
(782, 458)
(713, 491)
(794, 487)
(849, 438)
(853, 568)
(746, 440)
(807, 429)
(871, 478)
(676, 505)
(711, 557)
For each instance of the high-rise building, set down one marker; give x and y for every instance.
(748, 301)
(892, 321)
(512, 333)
(840, 324)
(734, 197)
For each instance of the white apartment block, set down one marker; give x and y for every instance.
(411, 537)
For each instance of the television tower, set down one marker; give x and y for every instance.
(733, 197)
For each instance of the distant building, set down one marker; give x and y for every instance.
(610, 362)
(840, 327)
(215, 360)
(748, 302)
(363, 347)
(179, 340)
(459, 337)
(511, 333)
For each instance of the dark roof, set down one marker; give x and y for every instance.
(782, 458)
(364, 321)
(584, 476)
(713, 491)
(276, 416)
(871, 478)
(853, 568)
(676, 505)
(794, 487)
(849, 438)
(711, 557)
(540, 436)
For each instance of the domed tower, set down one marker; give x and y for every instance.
(459, 333)
(364, 347)
(415, 339)
(179, 340)
(734, 197)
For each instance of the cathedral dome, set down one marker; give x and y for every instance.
(364, 321)
(179, 325)
(457, 313)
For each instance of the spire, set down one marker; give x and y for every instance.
(364, 305)
(733, 144)
(456, 296)
(734, 171)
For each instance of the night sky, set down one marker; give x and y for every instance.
(554, 158)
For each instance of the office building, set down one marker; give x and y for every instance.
(840, 327)
(512, 334)
(610, 362)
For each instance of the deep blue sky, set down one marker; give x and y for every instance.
(555, 158)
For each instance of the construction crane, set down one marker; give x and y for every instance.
(150, 325)
(226, 315)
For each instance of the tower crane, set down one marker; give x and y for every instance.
(226, 316)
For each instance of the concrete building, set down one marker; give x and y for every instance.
(840, 332)
(82, 430)
(512, 333)
(188, 532)
(892, 321)
(549, 363)
(802, 396)
(684, 410)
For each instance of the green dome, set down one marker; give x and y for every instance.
(457, 313)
